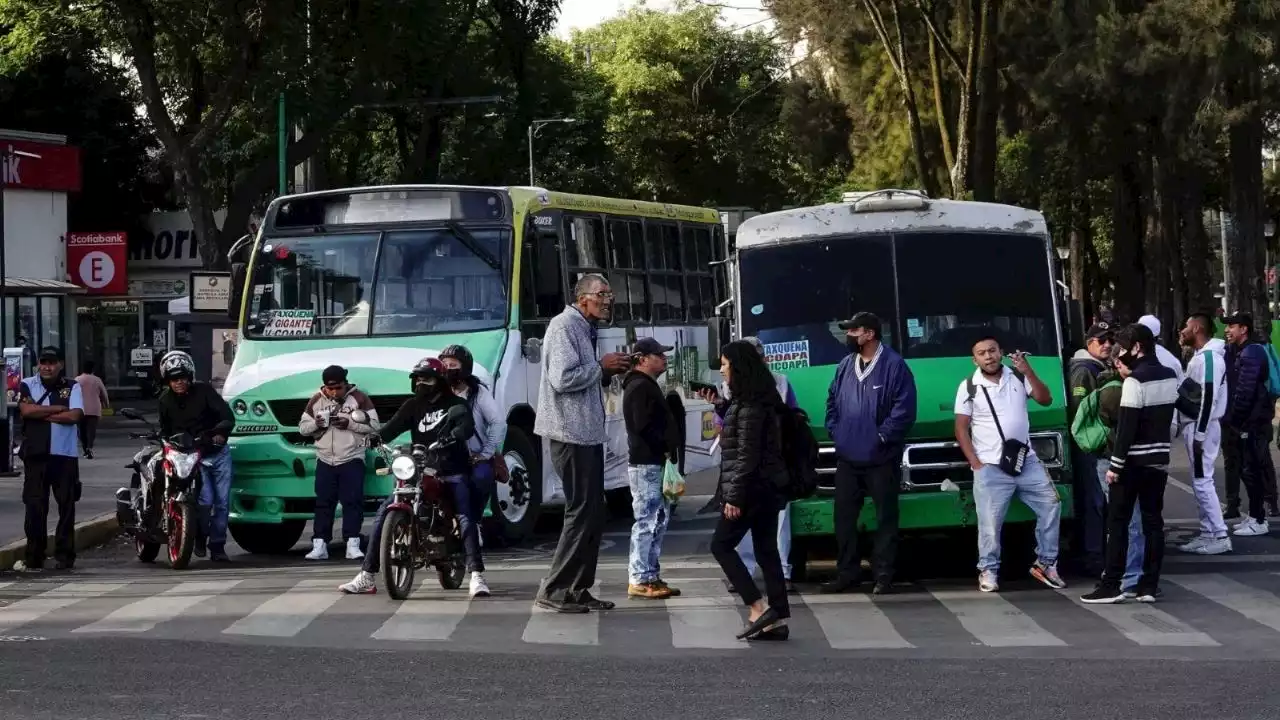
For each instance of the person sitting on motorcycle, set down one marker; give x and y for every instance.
(427, 417)
(473, 493)
(196, 408)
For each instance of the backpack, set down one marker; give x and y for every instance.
(1087, 428)
(799, 452)
(1273, 369)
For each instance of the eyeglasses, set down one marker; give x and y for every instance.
(603, 295)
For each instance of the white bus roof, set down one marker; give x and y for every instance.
(887, 213)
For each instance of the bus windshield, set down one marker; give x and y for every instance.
(445, 279)
(928, 288)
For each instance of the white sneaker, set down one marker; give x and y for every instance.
(1195, 546)
(1215, 546)
(987, 581)
(353, 549)
(1252, 527)
(364, 584)
(478, 586)
(319, 550)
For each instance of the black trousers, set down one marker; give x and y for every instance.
(1145, 488)
(88, 431)
(61, 476)
(1234, 451)
(853, 484)
(573, 566)
(761, 520)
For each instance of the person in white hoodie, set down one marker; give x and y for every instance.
(1165, 357)
(1202, 401)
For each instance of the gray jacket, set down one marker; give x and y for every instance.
(570, 392)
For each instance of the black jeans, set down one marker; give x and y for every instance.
(1145, 487)
(573, 566)
(1233, 460)
(1256, 471)
(88, 431)
(470, 495)
(853, 484)
(761, 520)
(61, 476)
(339, 484)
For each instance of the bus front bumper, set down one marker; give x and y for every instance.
(274, 481)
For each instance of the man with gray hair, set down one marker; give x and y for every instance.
(571, 417)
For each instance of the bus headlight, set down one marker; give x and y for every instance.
(1048, 448)
(403, 468)
(259, 408)
(240, 407)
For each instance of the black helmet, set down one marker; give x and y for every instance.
(463, 356)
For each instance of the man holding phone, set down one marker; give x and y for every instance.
(993, 429)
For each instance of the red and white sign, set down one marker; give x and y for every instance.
(57, 167)
(97, 262)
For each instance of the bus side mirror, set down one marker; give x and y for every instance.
(718, 333)
(239, 271)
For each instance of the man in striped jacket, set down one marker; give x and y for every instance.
(1139, 462)
(1202, 401)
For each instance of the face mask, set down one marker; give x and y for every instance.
(453, 376)
(852, 344)
(426, 390)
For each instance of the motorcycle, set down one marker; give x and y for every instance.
(420, 527)
(159, 506)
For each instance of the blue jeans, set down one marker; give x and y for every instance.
(470, 494)
(373, 559)
(1133, 560)
(215, 495)
(652, 513)
(747, 550)
(992, 492)
(1091, 507)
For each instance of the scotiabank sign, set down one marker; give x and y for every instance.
(97, 262)
(57, 167)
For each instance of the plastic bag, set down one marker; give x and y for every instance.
(672, 482)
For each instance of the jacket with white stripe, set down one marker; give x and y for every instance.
(1208, 371)
(1147, 400)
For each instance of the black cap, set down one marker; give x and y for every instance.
(51, 352)
(1100, 330)
(1239, 318)
(649, 346)
(862, 321)
(334, 375)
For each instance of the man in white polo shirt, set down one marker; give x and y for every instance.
(993, 429)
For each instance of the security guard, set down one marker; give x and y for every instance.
(51, 408)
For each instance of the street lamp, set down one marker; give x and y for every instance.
(534, 128)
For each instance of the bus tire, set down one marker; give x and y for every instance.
(267, 538)
(516, 504)
(619, 502)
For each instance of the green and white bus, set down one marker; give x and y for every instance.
(932, 270)
(376, 278)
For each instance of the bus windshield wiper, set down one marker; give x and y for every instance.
(473, 245)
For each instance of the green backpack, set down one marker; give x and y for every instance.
(1087, 428)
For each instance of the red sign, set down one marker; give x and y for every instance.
(96, 262)
(57, 167)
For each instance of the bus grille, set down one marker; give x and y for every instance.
(289, 412)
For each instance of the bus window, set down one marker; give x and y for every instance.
(586, 244)
(663, 241)
(430, 281)
(666, 283)
(544, 296)
(318, 285)
(945, 299)
(696, 241)
(631, 296)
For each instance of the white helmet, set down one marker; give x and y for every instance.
(176, 364)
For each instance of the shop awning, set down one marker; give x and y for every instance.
(36, 286)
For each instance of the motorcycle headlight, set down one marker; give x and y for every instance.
(403, 468)
(183, 464)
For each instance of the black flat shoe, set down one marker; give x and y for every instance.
(564, 608)
(767, 618)
(590, 602)
(777, 634)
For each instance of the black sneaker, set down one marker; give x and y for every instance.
(64, 564)
(590, 602)
(201, 548)
(883, 587)
(1103, 595)
(218, 554)
(559, 606)
(838, 586)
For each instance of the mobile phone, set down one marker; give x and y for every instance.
(698, 387)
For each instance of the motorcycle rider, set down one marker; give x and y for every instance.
(433, 413)
(196, 408)
(472, 494)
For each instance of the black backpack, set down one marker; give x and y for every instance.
(799, 452)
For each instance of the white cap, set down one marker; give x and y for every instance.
(1152, 322)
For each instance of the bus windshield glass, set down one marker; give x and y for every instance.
(930, 290)
(441, 279)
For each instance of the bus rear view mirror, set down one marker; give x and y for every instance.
(718, 334)
(238, 273)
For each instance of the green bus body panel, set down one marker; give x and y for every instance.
(937, 382)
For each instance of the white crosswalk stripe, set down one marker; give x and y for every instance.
(704, 618)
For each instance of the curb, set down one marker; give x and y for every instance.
(89, 533)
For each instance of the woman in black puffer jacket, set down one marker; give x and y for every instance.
(751, 472)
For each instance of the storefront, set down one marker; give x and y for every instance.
(37, 172)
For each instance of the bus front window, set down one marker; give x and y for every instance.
(950, 284)
(431, 281)
(312, 286)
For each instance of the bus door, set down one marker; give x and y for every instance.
(542, 292)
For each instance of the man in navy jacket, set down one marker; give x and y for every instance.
(1247, 425)
(871, 407)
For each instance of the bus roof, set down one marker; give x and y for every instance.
(539, 198)
(848, 218)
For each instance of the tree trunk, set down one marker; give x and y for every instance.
(987, 127)
(1245, 248)
(1196, 256)
(1126, 264)
(1173, 297)
(960, 174)
(940, 104)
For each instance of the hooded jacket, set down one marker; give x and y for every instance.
(1249, 405)
(336, 445)
(1082, 379)
(1206, 378)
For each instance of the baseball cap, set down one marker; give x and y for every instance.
(862, 321)
(51, 352)
(650, 346)
(334, 375)
(1099, 330)
(1239, 318)
(1151, 322)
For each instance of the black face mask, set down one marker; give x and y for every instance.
(454, 376)
(852, 344)
(428, 391)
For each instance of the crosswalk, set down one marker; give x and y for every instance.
(1199, 611)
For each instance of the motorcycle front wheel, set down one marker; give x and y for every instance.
(451, 572)
(395, 553)
(182, 535)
